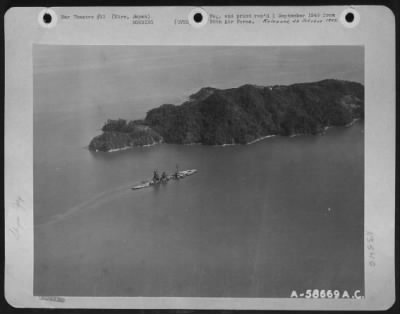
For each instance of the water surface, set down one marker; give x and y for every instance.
(256, 221)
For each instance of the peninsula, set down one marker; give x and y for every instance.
(240, 115)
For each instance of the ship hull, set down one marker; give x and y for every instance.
(181, 174)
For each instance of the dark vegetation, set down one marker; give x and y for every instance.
(119, 134)
(241, 115)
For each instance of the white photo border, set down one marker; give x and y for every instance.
(375, 32)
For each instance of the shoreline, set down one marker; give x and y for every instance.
(117, 149)
(329, 127)
(260, 139)
(352, 122)
(300, 134)
(113, 150)
(235, 144)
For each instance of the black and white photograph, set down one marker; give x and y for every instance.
(178, 171)
(200, 158)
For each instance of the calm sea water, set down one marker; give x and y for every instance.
(258, 220)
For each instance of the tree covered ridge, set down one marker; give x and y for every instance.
(243, 114)
(118, 134)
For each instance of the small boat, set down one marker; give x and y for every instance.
(176, 176)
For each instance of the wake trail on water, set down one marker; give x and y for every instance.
(93, 202)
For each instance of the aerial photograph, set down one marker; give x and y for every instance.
(198, 171)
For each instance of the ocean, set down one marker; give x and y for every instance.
(259, 220)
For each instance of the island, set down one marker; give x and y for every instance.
(240, 115)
